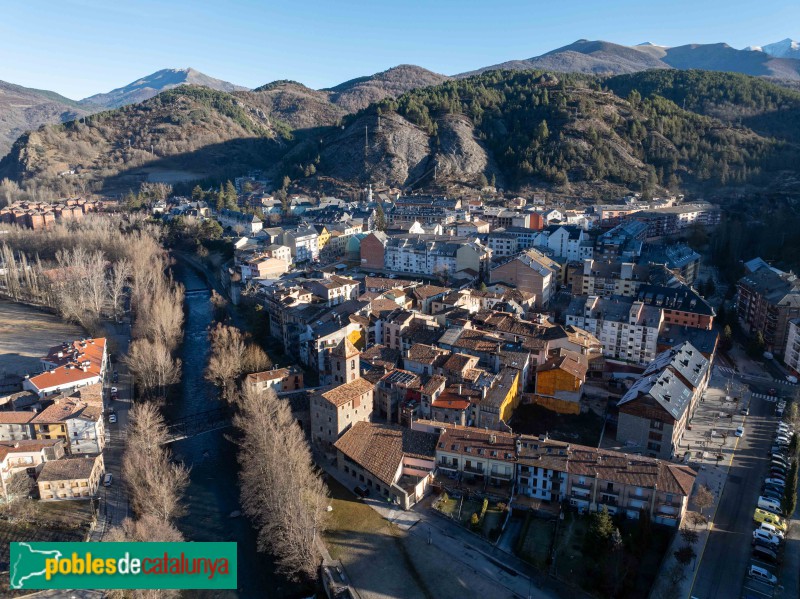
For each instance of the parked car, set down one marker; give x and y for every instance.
(745, 411)
(115, 377)
(107, 479)
(772, 494)
(762, 574)
(779, 469)
(764, 516)
(361, 491)
(770, 505)
(772, 529)
(781, 459)
(762, 535)
(114, 390)
(112, 418)
(739, 432)
(777, 482)
(778, 463)
(765, 554)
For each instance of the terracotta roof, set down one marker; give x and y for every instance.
(478, 443)
(25, 446)
(16, 417)
(380, 306)
(73, 468)
(345, 349)
(433, 384)
(426, 291)
(425, 354)
(380, 448)
(459, 362)
(381, 355)
(60, 411)
(385, 283)
(568, 361)
(344, 393)
(73, 359)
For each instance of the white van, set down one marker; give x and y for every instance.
(765, 503)
(766, 527)
(762, 574)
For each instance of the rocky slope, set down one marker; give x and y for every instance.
(185, 133)
(357, 94)
(147, 87)
(23, 109)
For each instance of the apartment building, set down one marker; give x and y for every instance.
(302, 243)
(532, 272)
(654, 412)
(627, 329)
(28, 457)
(766, 300)
(681, 305)
(71, 478)
(608, 278)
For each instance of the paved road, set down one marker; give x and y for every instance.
(114, 505)
(727, 554)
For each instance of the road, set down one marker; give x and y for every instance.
(727, 553)
(114, 505)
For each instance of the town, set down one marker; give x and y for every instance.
(536, 378)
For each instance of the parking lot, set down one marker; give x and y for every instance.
(724, 570)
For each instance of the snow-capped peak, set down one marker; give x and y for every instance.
(787, 48)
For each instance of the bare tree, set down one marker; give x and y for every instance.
(118, 278)
(153, 366)
(156, 484)
(232, 355)
(703, 498)
(17, 492)
(281, 491)
(148, 528)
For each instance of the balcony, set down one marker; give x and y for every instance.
(501, 476)
(607, 499)
(474, 470)
(446, 466)
(583, 486)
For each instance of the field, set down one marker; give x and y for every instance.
(26, 333)
(535, 540)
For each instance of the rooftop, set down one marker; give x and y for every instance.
(72, 468)
(380, 448)
(342, 394)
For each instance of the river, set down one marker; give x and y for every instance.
(213, 492)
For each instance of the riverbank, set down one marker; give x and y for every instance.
(213, 493)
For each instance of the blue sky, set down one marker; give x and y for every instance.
(82, 47)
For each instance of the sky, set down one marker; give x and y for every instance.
(82, 47)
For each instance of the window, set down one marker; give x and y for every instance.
(653, 436)
(654, 446)
(657, 425)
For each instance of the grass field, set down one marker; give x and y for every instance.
(535, 540)
(26, 333)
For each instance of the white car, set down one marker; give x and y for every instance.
(739, 431)
(107, 479)
(773, 530)
(779, 482)
(113, 390)
(767, 537)
(762, 574)
(112, 419)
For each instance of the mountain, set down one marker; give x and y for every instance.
(787, 48)
(149, 86)
(571, 134)
(186, 133)
(359, 93)
(564, 133)
(599, 57)
(24, 108)
(301, 107)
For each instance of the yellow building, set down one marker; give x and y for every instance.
(501, 400)
(559, 382)
(323, 236)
